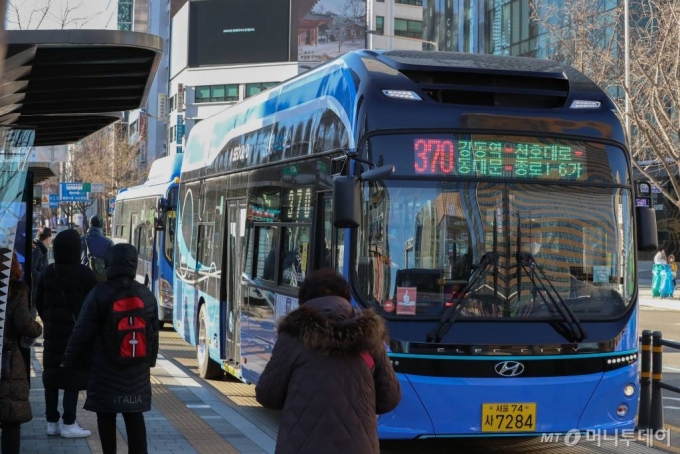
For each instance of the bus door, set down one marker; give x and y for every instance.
(234, 287)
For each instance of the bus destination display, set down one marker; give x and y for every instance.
(498, 159)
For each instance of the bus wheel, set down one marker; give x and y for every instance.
(207, 368)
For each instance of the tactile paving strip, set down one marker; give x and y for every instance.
(197, 432)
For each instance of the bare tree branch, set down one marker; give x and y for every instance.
(573, 32)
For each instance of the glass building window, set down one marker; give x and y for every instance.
(380, 24)
(216, 93)
(510, 28)
(408, 28)
(253, 89)
(410, 2)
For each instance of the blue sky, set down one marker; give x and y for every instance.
(86, 14)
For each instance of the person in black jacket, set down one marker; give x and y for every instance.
(60, 293)
(39, 259)
(114, 388)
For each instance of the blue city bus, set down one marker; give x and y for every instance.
(144, 216)
(483, 205)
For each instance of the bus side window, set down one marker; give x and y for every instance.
(169, 236)
(330, 241)
(266, 238)
(294, 253)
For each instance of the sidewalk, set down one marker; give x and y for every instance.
(648, 301)
(185, 418)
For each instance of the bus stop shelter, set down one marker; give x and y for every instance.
(58, 87)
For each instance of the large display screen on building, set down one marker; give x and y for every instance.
(325, 29)
(229, 32)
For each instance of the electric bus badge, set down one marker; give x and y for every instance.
(509, 368)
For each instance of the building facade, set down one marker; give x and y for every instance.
(147, 126)
(224, 51)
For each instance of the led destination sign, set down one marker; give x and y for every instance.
(498, 159)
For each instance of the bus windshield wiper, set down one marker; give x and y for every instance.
(449, 317)
(576, 332)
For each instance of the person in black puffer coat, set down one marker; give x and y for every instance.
(39, 260)
(115, 388)
(60, 293)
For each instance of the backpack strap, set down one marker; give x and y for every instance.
(87, 247)
(368, 359)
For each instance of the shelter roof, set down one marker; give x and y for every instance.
(68, 84)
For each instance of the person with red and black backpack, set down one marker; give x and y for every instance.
(118, 328)
(329, 373)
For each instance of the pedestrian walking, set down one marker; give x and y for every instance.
(674, 268)
(94, 247)
(329, 373)
(39, 259)
(59, 298)
(118, 330)
(15, 409)
(660, 257)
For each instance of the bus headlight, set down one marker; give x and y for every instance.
(629, 390)
(166, 294)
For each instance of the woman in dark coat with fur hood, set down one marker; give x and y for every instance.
(60, 293)
(329, 373)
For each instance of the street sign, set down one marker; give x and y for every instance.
(54, 200)
(74, 192)
(112, 204)
(179, 131)
(97, 187)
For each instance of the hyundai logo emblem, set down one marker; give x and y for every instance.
(509, 368)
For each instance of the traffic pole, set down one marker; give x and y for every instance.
(656, 413)
(645, 380)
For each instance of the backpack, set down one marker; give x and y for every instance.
(96, 264)
(127, 331)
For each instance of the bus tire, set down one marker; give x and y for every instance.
(207, 368)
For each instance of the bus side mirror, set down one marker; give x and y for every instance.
(347, 196)
(647, 237)
(346, 202)
(162, 204)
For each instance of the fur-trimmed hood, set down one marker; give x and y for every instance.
(329, 325)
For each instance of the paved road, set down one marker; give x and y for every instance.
(242, 399)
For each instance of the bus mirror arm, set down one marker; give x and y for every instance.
(378, 173)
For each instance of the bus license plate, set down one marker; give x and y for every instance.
(509, 417)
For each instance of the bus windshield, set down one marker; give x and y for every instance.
(422, 239)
